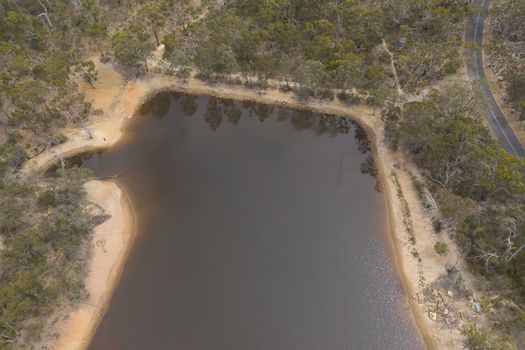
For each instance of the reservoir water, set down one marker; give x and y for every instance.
(259, 228)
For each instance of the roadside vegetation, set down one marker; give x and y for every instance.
(478, 187)
(507, 50)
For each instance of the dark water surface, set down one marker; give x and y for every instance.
(258, 230)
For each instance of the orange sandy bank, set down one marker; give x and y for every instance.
(110, 243)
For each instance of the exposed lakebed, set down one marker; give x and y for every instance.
(258, 228)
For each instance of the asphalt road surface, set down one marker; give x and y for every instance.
(476, 72)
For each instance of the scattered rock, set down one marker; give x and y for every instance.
(477, 307)
(450, 320)
(420, 298)
(445, 311)
(401, 42)
(450, 294)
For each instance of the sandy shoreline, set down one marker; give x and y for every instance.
(120, 101)
(110, 245)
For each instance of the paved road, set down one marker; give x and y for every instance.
(476, 72)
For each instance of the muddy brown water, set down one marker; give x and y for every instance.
(259, 228)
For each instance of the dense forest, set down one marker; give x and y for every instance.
(327, 44)
(312, 47)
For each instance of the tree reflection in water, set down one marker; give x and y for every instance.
(158, 106)
(232, 111)
(188, 103)
(219, 110)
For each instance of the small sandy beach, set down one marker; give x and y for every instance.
(109, 247)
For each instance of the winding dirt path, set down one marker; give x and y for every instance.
(393, 69)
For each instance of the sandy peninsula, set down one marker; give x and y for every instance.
(118, 100)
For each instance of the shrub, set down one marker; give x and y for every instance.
(441, 248)
(304, 93)
(326, 94)
(477, 339)
(438, 225)
(349, 98)
(285, 87)
(47, 200)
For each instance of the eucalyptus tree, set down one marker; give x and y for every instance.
(132, 46)
(153, 15)
(350, 72)
(312, 75)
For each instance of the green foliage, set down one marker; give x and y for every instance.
(86, 69)
(29, 94)
(283, 38)
(11, 156)
(479, 338)
(426, 39)
(350, 72)
(54, 71)
(170, 42)
(508, 17)
(44, 226)
(312, 75)
(21, 65)
(478, 186)
(317, 44)
(441, 248)
(39, 43)
(390, 116)
(476, 339)
(220, 59)
(153, 14)
(457, 151)
(131, 46)
(44, 249)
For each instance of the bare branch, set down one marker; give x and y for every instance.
(487, 256)
(45, 13)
